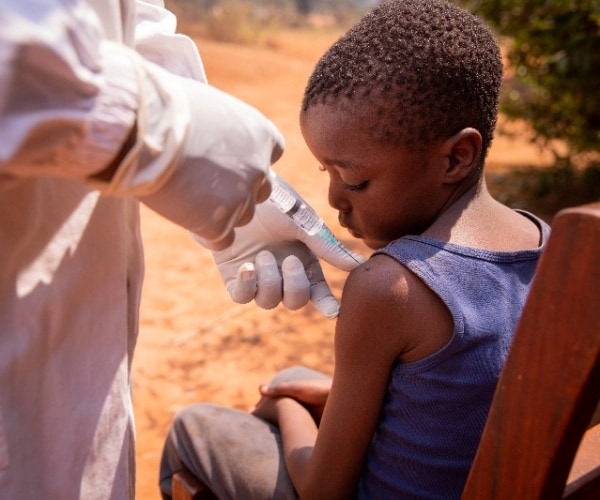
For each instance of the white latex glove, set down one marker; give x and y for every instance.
(272, 260)
(221, 171)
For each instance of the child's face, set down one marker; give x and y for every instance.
(382, 191)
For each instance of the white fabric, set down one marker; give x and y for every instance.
(71, 84)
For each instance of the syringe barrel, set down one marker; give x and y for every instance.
(304, 216)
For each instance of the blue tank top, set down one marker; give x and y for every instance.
(435, 408)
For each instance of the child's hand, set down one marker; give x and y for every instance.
(265, 409)
(311, 393)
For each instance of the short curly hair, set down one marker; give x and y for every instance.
(428, 68)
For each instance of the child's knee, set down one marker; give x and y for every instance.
(297, 372)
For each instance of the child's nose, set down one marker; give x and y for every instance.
(338, 196)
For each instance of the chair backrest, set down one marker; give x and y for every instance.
(550, 385)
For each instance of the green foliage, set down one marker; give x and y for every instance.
(231, 21)
(554, 50)
(545, 191)
(246, 21)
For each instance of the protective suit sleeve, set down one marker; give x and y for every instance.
(68, 97)
(70, 100)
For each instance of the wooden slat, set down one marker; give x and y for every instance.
(186, 487)
(550, 384)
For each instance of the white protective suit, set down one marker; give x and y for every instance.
(75, 76)
(66, 252)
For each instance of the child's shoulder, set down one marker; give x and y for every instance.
(384, 296)
(380, 278)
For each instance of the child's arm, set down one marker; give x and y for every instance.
(311, 393)
(381, 320)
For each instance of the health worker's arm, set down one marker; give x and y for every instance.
(78, 101)
(68, 98)
(271, 261)
(157, 41)
(71, 101)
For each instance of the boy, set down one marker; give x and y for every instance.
(400, 113)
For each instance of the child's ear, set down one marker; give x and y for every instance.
(462, 152)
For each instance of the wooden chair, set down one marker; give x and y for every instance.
(550, 384)
(185, 486)
(535, 444)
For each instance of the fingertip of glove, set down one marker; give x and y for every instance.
(247, 272)
(242, 289)
(265, 258)
(292, 264)
(328, 306)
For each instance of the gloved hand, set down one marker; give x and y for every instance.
(221, 171)
(273, 260)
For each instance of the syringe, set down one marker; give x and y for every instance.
(304, 215)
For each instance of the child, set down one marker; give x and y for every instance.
(400, 113)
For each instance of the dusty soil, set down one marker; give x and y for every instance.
(195, 344)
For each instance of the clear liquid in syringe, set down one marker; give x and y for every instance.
(304, 216)
(299, 211)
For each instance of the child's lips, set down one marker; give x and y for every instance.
(355, 234)
(350, 228)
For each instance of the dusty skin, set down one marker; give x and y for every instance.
(194, 343)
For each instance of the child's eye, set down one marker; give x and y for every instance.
(356, 187)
